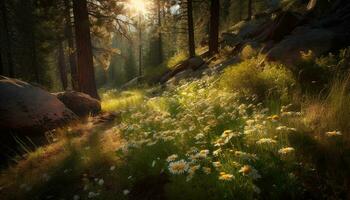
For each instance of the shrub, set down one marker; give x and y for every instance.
(315, 73)
(272, 80)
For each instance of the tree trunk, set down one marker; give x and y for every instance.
(34, 58)
(226, 5)
(191, 44)
(86, 72)
(250, 7)
(71, 53)
(8, 39)
(62, 66)
(160, 38)
(1, 66)
(240, 10)
(32, 22)
(214, 27)
(140, 46)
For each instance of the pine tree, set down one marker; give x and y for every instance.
(86, 72)
(214, 27)
(62, 66)
(70, 40)
(191, 42)
(8, 38)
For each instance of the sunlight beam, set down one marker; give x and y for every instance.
(138, 5)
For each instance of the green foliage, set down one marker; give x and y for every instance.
(271, 80)
(204, 139)
(193, 122)
(316, 73)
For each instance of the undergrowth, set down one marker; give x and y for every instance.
(235, 135)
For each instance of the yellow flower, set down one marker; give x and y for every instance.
(203, 153)
(266, 141)
(172, 158)
(274, 117)
(225, 177)
(217, 164)
(178, 167)
(246, 169)
(334, 133)
(226, 133)
(193, 169)
(206, 170)
(286, 150)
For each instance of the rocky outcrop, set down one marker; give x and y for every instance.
(191, 64)
(80, 103)
(284, 34)
(303, 39)
(28, 110)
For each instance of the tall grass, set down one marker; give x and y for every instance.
(211, 138)
(333, 112)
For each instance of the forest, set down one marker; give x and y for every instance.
(174, 99)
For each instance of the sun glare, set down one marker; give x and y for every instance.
(138, 6)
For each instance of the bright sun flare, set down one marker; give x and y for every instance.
(138, 5)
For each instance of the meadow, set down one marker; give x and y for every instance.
(230, 135)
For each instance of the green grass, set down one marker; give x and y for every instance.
(113, 100)
(204, 139)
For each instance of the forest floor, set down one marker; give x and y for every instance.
(195, 140)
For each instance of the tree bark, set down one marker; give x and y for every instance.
(240, 10)
(1, 66)
(140, 46)
(8, 39)
(250, 7)
(62, 66)
(160, 37)
(214, 27)
(86, 72)
(72, 51)
(191, 43)
(34, 58)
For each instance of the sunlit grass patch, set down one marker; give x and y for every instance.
(206, 139)
(115, 101)
(217, 143)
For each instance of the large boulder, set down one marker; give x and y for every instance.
(80, 103)
(29, 110)
(303, 39)
(242, 31)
